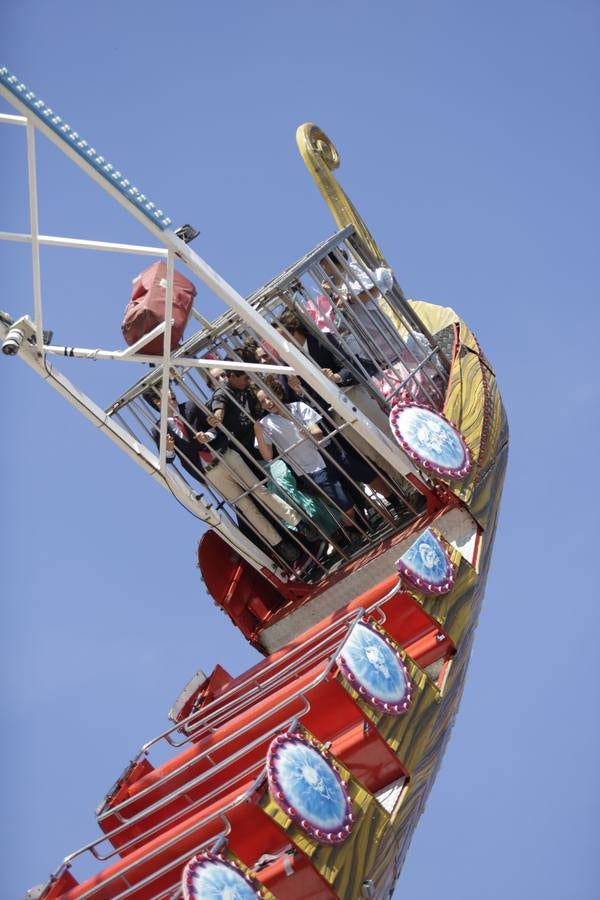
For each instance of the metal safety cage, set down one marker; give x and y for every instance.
(229, 343)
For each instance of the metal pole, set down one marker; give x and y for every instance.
(81, 244)
(35, 245)
(182, 362)
(12, 120)
(166, 374)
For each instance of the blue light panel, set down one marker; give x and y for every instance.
(82, 148)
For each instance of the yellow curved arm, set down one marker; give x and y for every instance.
(321, 158)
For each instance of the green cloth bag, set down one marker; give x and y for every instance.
(320, 513)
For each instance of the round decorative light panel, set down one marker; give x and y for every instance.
(430, 439)
(210, 876)
(304, 784)
(375, 669)
(427, 566)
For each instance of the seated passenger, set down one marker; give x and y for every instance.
(318, 350)
(279, 427)
(321, 350)
(395, 381)
(399, 357)
(253, 352)
(234, 406)
(224, 469)
(363, 291)
(184, 422)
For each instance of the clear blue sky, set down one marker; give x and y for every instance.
(469, 139)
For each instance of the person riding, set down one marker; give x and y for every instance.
(334, 369)
(253, 352)
(185, 423)
(206, 455)
(358, 294)
(283, 426)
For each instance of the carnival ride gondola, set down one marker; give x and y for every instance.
(305, 776)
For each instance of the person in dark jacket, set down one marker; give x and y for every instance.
(326, 351)
(223, 468)
(234, 406)
(328, 354)
(188, 433)
(253, 352)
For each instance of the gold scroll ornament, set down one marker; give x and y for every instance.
(321, 159)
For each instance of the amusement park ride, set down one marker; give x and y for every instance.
(305, 776)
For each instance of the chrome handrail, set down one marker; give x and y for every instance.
(261, 685)
(184, 813)
(117, 809)
(210, 844)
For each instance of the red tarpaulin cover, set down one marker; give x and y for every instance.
(146, 308)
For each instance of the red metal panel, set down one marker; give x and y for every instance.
(244, 594)
(302, 882)
(368, 758)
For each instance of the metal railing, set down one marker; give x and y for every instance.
(246, 692)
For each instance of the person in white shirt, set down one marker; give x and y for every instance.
(283, 426)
